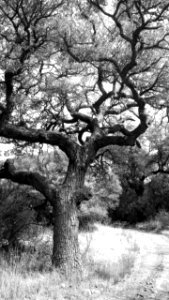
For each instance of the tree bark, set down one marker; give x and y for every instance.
(66, 254)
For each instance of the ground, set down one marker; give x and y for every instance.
(117, 264)
(148, 277)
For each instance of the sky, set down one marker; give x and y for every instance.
(5, 151)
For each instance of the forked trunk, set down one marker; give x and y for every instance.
(66, 254)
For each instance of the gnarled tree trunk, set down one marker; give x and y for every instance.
(66, 254)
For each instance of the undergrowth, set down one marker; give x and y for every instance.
(156, 224)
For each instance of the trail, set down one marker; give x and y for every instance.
(150, 277)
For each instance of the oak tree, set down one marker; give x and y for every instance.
(77, 75)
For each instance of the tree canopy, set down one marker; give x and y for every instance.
(70, 69)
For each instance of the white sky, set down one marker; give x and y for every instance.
(4, 148)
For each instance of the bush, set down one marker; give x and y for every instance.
(91, 212)
(134, 208)
(163, 218)
(131, 208)
(39, 261)
(16, 214)
(158, 223)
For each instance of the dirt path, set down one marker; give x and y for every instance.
(161, 287)
(150, 277)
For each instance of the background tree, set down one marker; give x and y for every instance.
(143, 175)
(131, 166)
(78, 76)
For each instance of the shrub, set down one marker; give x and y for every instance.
(134, 208)
(131, 208)
(158, 223)
(16, 214)
(91, 212)
(163, 218)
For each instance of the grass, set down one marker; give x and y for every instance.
(14, 286)
(109, 254)
(31, 277)
(109, 271)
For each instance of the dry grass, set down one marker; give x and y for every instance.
(108, 255)
(15, 286)
(114, 271)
